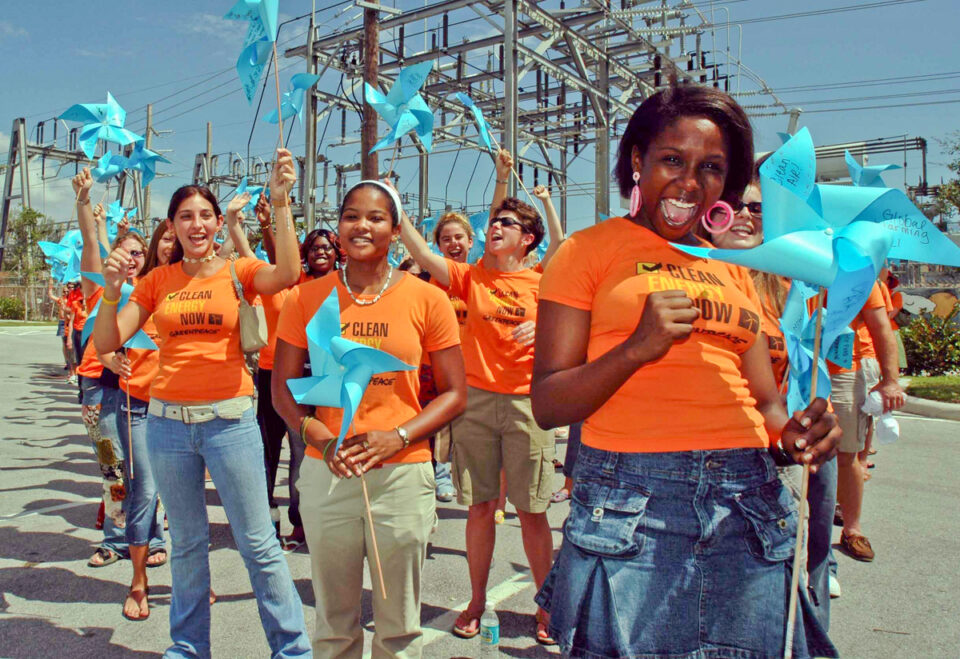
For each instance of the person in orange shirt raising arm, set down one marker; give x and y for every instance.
(201, 409)
(398, 313)
(680, 533)
(497, 431)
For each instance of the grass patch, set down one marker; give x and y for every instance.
(28, 323)
(944, 388)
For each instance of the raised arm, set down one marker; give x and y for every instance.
(554, 227)
(235, 225)
(112, 329)
(504, 165)
(286, 272)
(90, 255)
(267, 239)
(435, 264)
(100, 217)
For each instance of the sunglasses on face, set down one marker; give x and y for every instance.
(755, 208)
(321, 248)
(507, 222)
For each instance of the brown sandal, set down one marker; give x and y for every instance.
(542, 635)
(139, 597)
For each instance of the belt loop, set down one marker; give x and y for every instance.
(610, 463)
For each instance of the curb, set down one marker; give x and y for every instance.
(931, 408)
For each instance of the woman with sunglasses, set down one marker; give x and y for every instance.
(680, 533)
(497, 430)
(100, 386)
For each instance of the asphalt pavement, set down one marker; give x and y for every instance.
(904, 604)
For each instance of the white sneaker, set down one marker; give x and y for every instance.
(835, 591)
(72, 379)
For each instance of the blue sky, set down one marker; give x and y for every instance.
(54, 54)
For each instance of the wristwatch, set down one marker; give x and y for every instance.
(404, 437)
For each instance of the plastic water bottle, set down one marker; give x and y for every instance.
(489, 632)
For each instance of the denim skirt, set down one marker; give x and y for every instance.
(683, 554)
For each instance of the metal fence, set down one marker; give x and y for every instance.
(33, 294)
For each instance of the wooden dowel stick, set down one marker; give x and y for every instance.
(804, 486)
(373, 535)
(276, 75)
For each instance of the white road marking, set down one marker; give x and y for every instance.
(50, 509)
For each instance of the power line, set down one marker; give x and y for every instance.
(815, 12)
(883, 107)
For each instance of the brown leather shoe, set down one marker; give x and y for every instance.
(857, 546)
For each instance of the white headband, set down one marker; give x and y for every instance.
(386, 188)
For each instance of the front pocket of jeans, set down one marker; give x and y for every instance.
(604, 518)
(772, 521)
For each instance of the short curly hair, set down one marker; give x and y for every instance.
(529, 218)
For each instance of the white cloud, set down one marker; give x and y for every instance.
(4, 145)
(213, 25)
(8, 29)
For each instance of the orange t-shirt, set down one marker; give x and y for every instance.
(862, 341)
(80, 311)
(888, 303)
(144, 365)
(497, 302)
(90, 366)
(770, 324)
(272, 304)
(411, 319)
(197, 324)
(694, 397)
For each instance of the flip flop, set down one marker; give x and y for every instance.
(464, 620)
(157, 552)
(560, 495)
(139, 597)
(107, 556)
(542, 635)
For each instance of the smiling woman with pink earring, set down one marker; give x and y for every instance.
(679, 534)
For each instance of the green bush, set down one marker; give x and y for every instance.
(11, 308)
(932, 344)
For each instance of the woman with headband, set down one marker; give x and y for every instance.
(387, 445)
(680, 534)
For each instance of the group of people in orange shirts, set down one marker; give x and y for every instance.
(680, 530)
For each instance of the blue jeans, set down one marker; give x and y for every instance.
(144, 525)
(822, 499)
(573, 449)
(232, 451)
(681, 554)
(99, 419)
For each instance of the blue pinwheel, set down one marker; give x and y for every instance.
(115, 213)
(478, 117)
(145, 161)
(479, 223)
(341, 368)
(101, 121)
(108, 167)
(64, 256)
(836, 237)
(259, 42)
(253, 190)
(140, 340)
(403, 108)
(261, 253)
(292, 103)
(868, 176)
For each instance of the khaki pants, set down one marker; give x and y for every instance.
(338, 536)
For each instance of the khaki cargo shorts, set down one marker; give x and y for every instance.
(498, 431)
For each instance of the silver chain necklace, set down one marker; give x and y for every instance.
(366, 303)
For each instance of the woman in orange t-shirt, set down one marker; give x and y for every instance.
(497, 431)
(200, 413)
(679, 534)
(399, 314)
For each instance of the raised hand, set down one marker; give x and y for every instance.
(82, 183)
(283, 177)
(541, 192)
(237, 203)
(115, 272)
(503, 163)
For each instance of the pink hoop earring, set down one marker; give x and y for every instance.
(718, 227)
(636, 198)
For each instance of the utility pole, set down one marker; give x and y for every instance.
(509, 140)
(208, 173)
(308, 199)
(148, 142)
(370, 168)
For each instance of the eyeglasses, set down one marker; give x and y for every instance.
(755, 208)
(321, 248)
(507, 221)
(136, 253)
